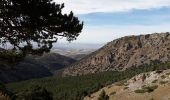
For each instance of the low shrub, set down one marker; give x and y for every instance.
(126, 88)
(163, 82)
(168, 73)
(154, 81)
(103, 96)
(151, 88)
(140, 91)
(146, 89)
(113, 93)
(163, 76)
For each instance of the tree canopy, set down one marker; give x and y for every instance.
(32, 26)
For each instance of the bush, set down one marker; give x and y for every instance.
(163, 76)
(168, 73)
(125, 88)
(163, 82)
(151, 88)
(113, 93)
(103, 96)
(154, 81)
(146, 89)
(140, 91)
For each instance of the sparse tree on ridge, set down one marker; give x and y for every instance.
(39, 22)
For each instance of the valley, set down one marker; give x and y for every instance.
(49, 64)
(84, 50)
(89, 85)
(77, 87)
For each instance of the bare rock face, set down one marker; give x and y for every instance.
(123, 53)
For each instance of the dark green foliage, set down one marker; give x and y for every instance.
(75, 88)
(151, 88)
(163, 76)
(103, 96)
(163, 82)
(6, 92)
(154, 81)
(2, 87)
(168, 73)
(35, 93)
(39, 22)
(139, 91)
(146, 89)
(10, 58)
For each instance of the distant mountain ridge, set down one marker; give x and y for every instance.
(54, 61)
(123, 53)
(76, 54)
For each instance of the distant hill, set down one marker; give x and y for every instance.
(74, 53)
(34, 67)
(124, 53)
(75, 50)
(54, 61)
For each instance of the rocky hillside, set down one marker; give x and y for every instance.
(146, 86)
(123, 53)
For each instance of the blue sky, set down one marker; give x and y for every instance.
(106, 20)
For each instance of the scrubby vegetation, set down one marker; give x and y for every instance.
(75, 88)
(139, 91)
(35, 93)
(163, 82)
(103, 96)
(167, 73)
(125, 88)
(146, 89)
(154, 81)
(163, 76)
(113, 93)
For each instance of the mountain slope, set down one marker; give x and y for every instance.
(54, 61)
(34, 67)
(155, 86)
(123, 53)
(76, 87)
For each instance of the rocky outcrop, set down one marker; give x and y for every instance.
(123, 53)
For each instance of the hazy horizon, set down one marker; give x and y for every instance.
(111, 19)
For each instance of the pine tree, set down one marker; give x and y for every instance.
(32, 26)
